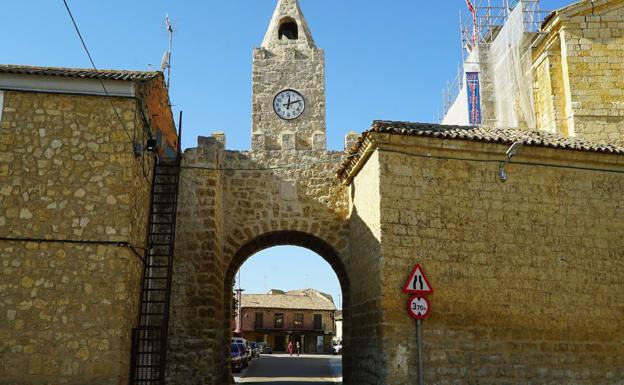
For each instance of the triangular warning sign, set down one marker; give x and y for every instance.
(417, 283)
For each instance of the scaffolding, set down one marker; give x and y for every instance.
(480, 23)
(487, 19)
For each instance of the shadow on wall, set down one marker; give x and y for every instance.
(365, 345)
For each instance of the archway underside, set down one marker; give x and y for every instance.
(287, 238)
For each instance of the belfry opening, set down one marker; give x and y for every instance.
(288, 29)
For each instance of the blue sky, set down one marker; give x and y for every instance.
(385, 59)
(289, 268)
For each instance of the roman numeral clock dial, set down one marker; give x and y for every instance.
(288, 104)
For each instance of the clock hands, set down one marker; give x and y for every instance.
(287, 105)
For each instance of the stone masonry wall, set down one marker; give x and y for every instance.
(67, 171)
(527, 274)
(594, 71)
(288, 68)
(549, 92)
(236, 201)
(197, 295)
(366, 314)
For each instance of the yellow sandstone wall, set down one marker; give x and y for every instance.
(528, 278)
(579, 73)
(197, 294)
(366, 334)
(67, 171)
(549, 93)
(229, 202)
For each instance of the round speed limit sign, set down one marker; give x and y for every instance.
(418, 307)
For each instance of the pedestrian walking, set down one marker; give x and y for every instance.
(290, 347)
(298, 347)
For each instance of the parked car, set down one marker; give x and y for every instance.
(337, 348)
(241, 343)
(237, 359)
(265, 348)
(255, 351)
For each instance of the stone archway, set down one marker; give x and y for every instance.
(287, 238)
(231, 205)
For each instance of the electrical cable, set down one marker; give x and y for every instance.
(510, 162)
(429, 156)
(78, 241)
(84, 45)
(108, 96)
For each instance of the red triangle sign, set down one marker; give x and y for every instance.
(417, 283)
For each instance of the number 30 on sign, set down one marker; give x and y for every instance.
(418, 307)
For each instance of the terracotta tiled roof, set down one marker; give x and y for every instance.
(308, 299)
(478, 134)
(84, 73)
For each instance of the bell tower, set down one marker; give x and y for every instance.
(288, 85)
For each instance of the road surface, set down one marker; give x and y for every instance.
(282, 369)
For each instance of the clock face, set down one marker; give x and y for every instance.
(288, 104)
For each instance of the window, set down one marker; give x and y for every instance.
(318, 321)
(279, 321)
(298, 321)
(259, 321)
(288, 28)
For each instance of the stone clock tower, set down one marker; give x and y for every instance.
(288, 85)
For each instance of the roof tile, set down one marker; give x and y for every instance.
(479, 134)
(308, 299)
(84, 73)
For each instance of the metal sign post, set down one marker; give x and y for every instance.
(418, 307)
(421, 375)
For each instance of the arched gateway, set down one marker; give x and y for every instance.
(521, 232)
(404, 193)
(233, 204)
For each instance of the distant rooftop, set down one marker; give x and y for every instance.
(304, 299)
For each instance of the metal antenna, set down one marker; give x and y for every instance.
(166, 60)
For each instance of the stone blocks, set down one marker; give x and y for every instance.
(515, 266)
(66, 310)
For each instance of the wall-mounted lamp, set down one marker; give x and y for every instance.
(511, 152)
(150, 145)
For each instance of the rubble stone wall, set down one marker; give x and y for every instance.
(288, 68)
(197, 294)
(68, 172)
(233, 204)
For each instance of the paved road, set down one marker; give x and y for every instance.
(282, 369)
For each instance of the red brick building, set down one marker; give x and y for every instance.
(306, 316)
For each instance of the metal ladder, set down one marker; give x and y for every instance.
(149, 338)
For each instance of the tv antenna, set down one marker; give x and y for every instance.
(165, 63)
